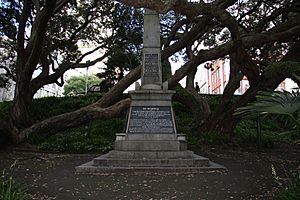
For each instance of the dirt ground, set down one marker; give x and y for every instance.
(249, 176)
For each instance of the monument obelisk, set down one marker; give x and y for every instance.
(151, 119)
(151, 77)
(151, 142)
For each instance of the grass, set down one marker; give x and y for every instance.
(9, 190)
(292, 191)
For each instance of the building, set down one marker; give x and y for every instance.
(51, 90)
(7, 94)
(217, 77)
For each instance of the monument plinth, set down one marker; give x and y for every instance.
(151, 142)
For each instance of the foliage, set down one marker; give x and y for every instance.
(292, 191)
(246, 133)
(55, 106)
(9, 190)
(4, 109)
(102, 132)
(282, 69)
(47, 36)
(82, 24)
(3, 80)
(185, 123)
(96, 136)
(212, 138)
(80, 84)
(277, 103)
(214, 100)
(125, 53)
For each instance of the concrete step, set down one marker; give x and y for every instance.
(149, 145)
(150, 154)
(114, 162)
(105, 170)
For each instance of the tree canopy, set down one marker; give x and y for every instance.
(125, 51)
(261, 39)
(80, 84)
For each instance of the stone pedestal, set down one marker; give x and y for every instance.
(151, 143)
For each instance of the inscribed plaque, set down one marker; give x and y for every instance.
(151, 68)
(150, 119)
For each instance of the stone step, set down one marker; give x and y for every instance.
(150, 154)
(196, 161)
(104, 170)
(149, 145)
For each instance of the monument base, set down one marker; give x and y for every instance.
(169, 162)
(149, 156)
(151, 143)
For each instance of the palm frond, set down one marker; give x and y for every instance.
(280, 103)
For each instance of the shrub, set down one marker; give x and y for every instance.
(96, 137)
(292, 192)
(9, 190)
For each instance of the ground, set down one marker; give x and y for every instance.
(249, 176)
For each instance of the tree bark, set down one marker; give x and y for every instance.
(191, 76)
(197, 104)
(190, 80)
(73, 119)
(27, 60)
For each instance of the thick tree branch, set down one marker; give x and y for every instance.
(260, 26)
(60, 4)
(173, 32)
(116, 92)
(22, 25)
(223, 50)
(58, 123)
(198, 30)
(44, 79)
(235, 77)
(35, 43)
(203, 56)
(74, 34)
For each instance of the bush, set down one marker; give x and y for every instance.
(292, 192)
(96, 137)
(57, 106)
(9, 190)
(102, 134)
(4, 109)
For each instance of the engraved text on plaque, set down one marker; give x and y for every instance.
(151, 119)
(151, 68)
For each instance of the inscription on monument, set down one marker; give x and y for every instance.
(151, 67)
(150, 119)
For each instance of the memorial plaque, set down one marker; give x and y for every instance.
(151, 68)
(151, 119)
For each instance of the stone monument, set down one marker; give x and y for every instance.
(151, 142)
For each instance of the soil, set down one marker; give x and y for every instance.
(249, 176)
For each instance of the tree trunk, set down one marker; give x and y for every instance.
(197, 104)
(190, 80)
(19, 114)
(191, 76)
(190, 98)
(222, 119)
